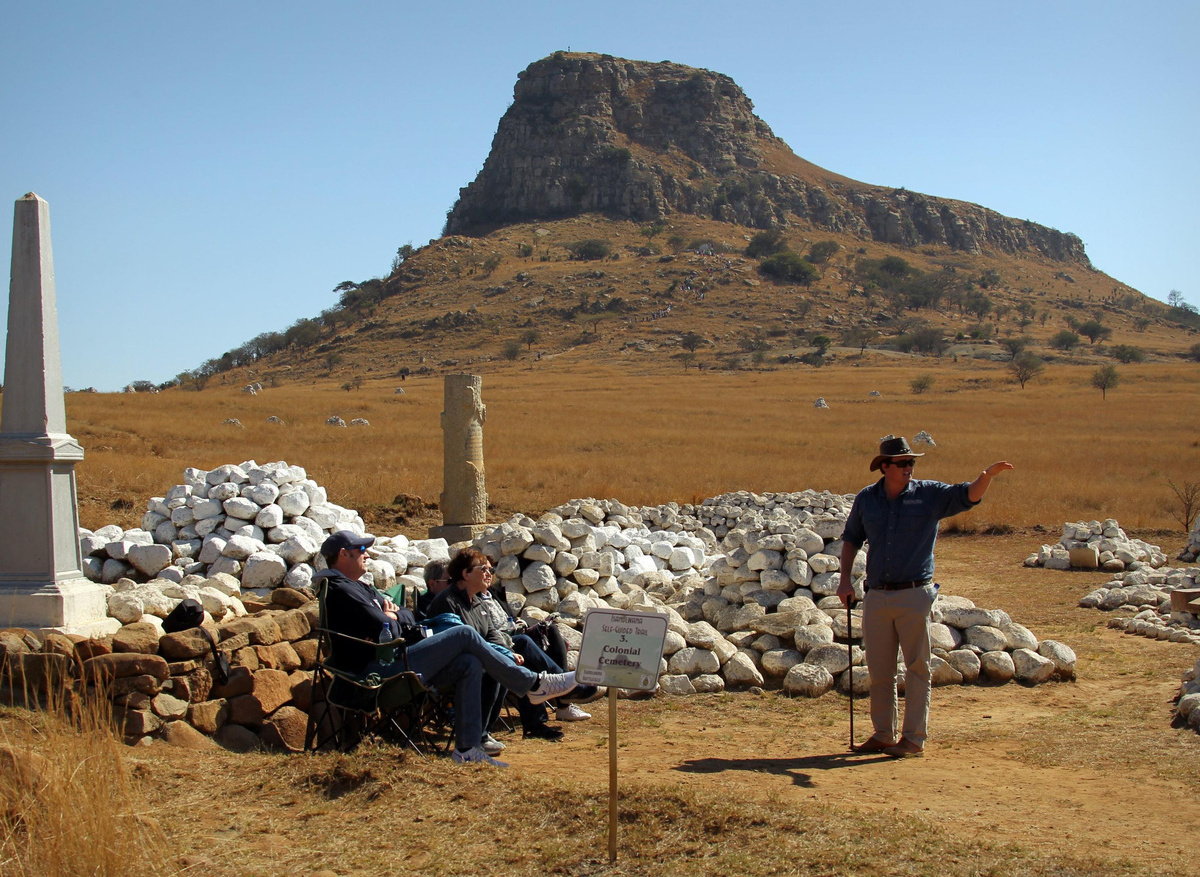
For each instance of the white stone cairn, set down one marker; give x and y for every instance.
(1097, 545)
(1187, 701)
(746, 580)
(42, 585)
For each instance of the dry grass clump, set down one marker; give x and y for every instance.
(560, 430)
(71, 805)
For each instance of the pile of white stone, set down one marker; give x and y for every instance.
(1187, 707)
(1192, 551)
(1141, 601)
(1097, 545)
(747, 582)
(234, 532)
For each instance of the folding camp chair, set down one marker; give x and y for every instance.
(347, 706)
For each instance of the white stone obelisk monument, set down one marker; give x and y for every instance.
(42, 585)
(464, 496)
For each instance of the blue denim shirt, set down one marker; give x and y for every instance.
(900, 533)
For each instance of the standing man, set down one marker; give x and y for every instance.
(897, 517)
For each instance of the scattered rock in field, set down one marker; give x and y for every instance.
(335, 421)
(820, 403)
(1142, 602)
(231, 421)
(924, 438)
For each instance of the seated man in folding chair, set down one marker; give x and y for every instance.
(458, 657)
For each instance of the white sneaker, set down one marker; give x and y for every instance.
(491, 745)
(552, 685)
(571, 713)
(476, 756)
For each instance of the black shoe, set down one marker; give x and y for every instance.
(543, 732)
(581, 694)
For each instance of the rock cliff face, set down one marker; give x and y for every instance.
(593, 133)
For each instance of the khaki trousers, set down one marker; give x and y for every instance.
(898, 620)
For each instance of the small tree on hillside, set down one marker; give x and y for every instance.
(1094, 330)
(511, 349)
(531, 337)
(1014, 346)
(1105, 378)
(1025, 366)
(1187, 497)
(766, 243)
(1065, 340)
(1128, 353)
(858, 336)
(691, 341)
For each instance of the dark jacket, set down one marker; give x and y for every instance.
(355, 609)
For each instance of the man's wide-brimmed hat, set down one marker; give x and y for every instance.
(892, 446)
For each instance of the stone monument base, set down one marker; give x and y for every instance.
(458, 532)
(75, 606)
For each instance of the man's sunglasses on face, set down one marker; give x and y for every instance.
(903, 464)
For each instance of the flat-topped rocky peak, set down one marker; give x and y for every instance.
(641, 141)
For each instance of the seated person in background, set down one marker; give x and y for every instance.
(436, 581)
(470, 576)
(458, 657)
(546, 636)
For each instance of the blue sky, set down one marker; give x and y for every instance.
(214, 170)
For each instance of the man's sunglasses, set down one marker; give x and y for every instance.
(903, 464)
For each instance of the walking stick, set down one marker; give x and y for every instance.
(850, 665)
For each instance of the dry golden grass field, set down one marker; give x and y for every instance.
(1082, 778)
(557, 430)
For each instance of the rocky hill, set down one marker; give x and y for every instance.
(617, 220)
(643, 141)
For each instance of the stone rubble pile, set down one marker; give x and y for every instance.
(1097, 545)
(1187, 705)
(1192, 551)
(1141, 601)
(260, 526)
(748, 584)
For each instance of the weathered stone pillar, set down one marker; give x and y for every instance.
(42, 585)
(464, 496)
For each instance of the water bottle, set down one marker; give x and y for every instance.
(386, 635)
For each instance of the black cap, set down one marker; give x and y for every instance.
(343, 539)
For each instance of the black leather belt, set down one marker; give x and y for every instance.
(901, 586)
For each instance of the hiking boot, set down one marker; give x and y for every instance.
(475, 756)
(550, 686)
(491, 745)
(571, 713)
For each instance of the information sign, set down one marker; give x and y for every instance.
(621, 649)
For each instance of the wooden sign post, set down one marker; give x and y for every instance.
(619, 650)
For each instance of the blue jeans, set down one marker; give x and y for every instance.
(460, 657)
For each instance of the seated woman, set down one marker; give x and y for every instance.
(470, 576)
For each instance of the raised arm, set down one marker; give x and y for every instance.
(977, 488)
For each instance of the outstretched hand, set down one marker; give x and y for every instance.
(996, 468)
